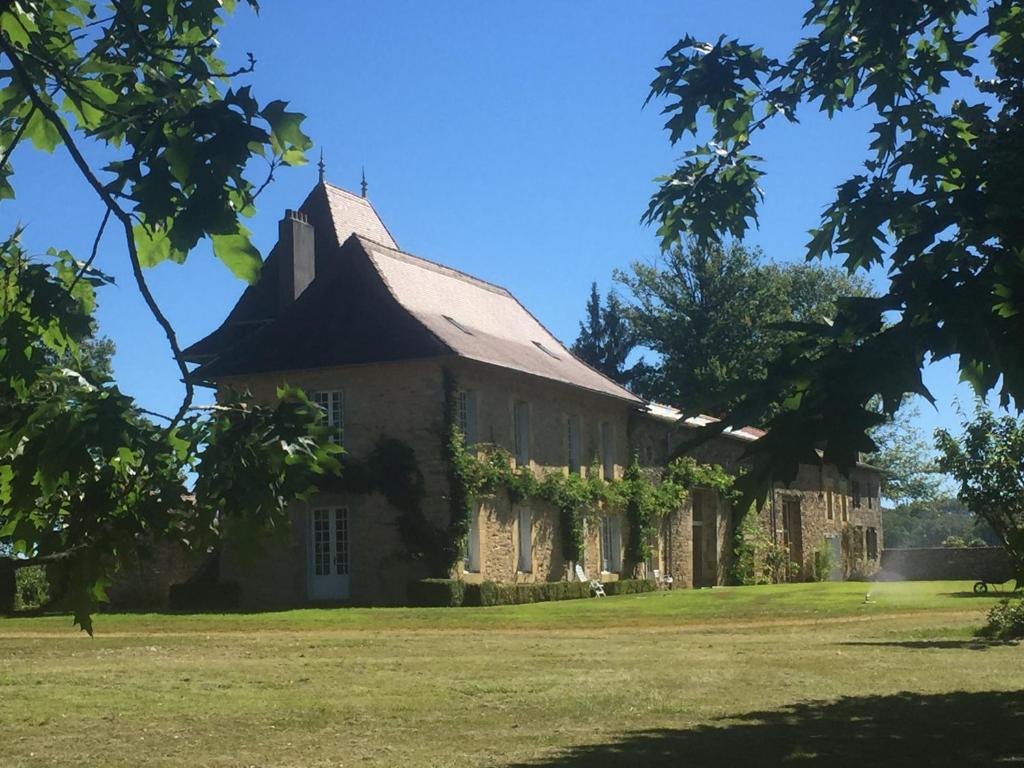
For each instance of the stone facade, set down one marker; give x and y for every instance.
(405, 400)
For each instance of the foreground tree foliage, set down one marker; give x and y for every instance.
(937, 204)
(715, 318)
(987, 462)
(85, 475)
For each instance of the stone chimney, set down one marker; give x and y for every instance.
(296, 257)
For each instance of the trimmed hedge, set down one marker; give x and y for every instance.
(429, 593)
(8, 589)
(628, 587)
(492, 593)
(453, 592)
(204, 596)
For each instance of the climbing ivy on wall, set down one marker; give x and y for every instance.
(644, 496)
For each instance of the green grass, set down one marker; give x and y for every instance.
(794, 675)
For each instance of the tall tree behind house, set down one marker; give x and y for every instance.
(606, 337)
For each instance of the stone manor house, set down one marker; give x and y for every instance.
(370, 330)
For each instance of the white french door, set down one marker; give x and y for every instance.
(329, 554)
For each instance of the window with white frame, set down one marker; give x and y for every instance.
(332, 403)
(611, 544)
(607, 450)
(525, 530)
(471, 561)
(521, 426)
(465, 414)
(572, 425)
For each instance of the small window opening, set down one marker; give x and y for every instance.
(545, 350)
(458, 325)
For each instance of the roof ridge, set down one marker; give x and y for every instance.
(444, 268)
(472, 279)
(353, 197)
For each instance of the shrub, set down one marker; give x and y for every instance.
(8, 590)
(33, 589)
(202, 595)
(437, 593)
(628, 586)
(823, 563)
(1005, 620)
(492, 593)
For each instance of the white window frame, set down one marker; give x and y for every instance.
(471, 559)
(611, 544)
(607, 435)
(575, 452)
(524, 532)
(332, 403)
(521, 432)
(465, 414)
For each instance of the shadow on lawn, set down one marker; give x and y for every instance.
(962, 645)
(956, 729)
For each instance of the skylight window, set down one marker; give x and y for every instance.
(545, 350)
(458, 325)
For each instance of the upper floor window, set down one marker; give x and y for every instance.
(572, 425)
(465, 414)
(332, 403)
(830, 509)
(521, 427)
(525, 529)
(855, 490)
(607, 450)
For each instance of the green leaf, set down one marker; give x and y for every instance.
(285, 128)
(239, 254)
(154, 246)
(42, 132)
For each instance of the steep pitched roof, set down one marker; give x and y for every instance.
(371, 302)
(354, 215)
(482, 321)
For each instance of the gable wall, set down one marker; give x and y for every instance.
(401, 400)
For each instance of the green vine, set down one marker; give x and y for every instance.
(643, 496)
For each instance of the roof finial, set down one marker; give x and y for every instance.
(321, 165)
(363, 185)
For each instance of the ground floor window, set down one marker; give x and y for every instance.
(872, 543)
(611, 544)
(471, 561)
(525, 526)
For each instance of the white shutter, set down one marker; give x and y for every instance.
(472, 559)
(573, 437)
(470, 431)
(607, 450)
(521, 417)
(525, 540)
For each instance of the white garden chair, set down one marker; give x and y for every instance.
(661, 582)
(595, 586)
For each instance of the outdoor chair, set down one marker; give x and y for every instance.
(661, 582)
(595, 586)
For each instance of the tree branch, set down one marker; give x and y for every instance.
(17, 137)
(17, 563)
(95, 250)
(118, 212)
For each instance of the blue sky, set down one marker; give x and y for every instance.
(508, 140)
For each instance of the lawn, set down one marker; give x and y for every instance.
(789, 675)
